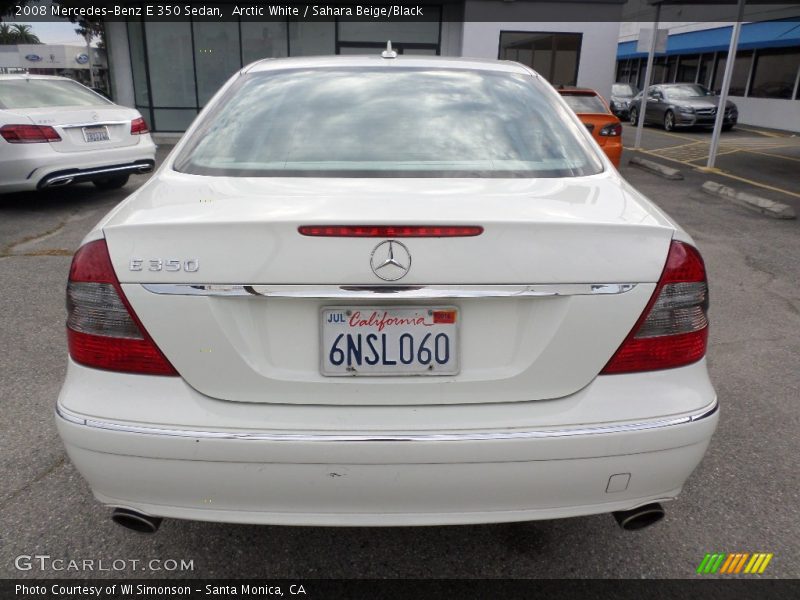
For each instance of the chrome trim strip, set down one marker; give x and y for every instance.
(74, 418)
(93, 124)
(388, 291)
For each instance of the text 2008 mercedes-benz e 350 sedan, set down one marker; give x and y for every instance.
(386, 291)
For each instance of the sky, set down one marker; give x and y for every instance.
(55, 32)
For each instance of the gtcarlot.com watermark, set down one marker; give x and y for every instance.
(45, 562)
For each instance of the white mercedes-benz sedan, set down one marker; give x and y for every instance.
(386, 291)
(55, 131)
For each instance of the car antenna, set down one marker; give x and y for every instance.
(389, 53)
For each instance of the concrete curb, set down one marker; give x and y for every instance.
(769, 208)
(654, 167)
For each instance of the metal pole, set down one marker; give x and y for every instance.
(726, 82)
(647, 74)
(88, 38)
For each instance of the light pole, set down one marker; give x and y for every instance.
(647, 73)
(88, 37)
(726, 82)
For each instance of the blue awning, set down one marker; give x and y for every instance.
(766, 34)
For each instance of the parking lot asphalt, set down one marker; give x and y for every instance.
(751, 159)
(744, 497)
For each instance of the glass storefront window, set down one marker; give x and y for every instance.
(178, 66)
(741, 71)
(216, 56)
(263, 40)
(704, 69)
(312, 38)
(687, 68)
(138, 68)
(552, 55)
(775, 73)
(172, 119)
(169, 56)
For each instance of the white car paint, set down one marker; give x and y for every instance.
(27, 166)
(252, 432)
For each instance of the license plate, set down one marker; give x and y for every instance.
(380, 340)
(96, 134)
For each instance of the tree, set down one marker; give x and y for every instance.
(17, 34)
(24, 34)
(6, 34)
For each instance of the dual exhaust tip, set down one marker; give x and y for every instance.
(136, 521)
(639, 517)
(629, 520)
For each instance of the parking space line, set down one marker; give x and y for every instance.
(765, 133)
(722, 173)
(795, 158)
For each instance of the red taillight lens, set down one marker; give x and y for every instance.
(673, 329)
(612, 130)
(138, 127)
(102, 330)
(29, 134)
(393, 231)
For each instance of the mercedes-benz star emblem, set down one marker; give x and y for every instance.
(390, 260)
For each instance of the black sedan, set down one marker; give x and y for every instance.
(674, 105)
(622, 94)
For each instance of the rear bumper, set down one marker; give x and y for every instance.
(350, 473)
(27, 167)
(68, 176)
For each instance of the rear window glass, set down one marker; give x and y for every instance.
(43, 93)
(387, 122)
(584, 103)
(624, 89)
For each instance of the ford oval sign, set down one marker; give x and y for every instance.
(82, 59)
(33, 57)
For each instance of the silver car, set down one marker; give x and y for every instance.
(674, 105)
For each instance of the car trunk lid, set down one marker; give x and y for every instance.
(542, 327)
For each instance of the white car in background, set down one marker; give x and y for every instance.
(386, 291)
(55, 131)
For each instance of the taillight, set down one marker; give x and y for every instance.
(138, 127)
(29, 134)
(673, 329)
(102, 329)
(393, 231)
(611, 130)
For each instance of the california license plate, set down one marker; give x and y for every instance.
(96, 134)
(380, 340)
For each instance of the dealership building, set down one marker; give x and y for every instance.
(170, 69)
(55, 59)
(765, 83)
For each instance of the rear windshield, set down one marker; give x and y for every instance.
(44, 93)
(624, 89)
(388, 122)
(584, 103)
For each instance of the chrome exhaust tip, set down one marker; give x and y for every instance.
(58, 182)
(639, 518)
(136, 521)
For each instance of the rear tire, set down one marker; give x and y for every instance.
(727, 127)
(634, 116)
(669, 121)
(111, 183)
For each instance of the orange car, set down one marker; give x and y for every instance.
(593, 112)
